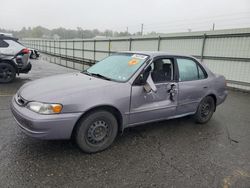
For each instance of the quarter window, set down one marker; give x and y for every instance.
(189, 70)
(3, 44)
(201, 73)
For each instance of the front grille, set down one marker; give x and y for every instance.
(21, 120)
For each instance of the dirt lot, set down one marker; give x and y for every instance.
(175, 153)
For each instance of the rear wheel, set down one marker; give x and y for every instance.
(205, 110)
(7, 73)
(96, 131)
(33, 55)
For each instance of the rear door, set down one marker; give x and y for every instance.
(150, 106)
(193, 85)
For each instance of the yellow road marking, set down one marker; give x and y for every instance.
(7, 95)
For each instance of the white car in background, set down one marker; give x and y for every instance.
(34, 54)
(14, 58)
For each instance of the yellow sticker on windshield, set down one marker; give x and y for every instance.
(133, 62)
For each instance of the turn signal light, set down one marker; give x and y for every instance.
(56, 108)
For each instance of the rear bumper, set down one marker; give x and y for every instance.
(222, 97)
(26, 69)
(47, 127)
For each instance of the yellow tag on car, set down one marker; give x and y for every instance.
(133, 62)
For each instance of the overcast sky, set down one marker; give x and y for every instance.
(156, 15)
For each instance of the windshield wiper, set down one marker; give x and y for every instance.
(100, 76)
(86, 72)
(96, 75)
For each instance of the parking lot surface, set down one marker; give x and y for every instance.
(174, 153)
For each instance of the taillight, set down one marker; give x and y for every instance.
(25, 51)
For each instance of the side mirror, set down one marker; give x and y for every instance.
(150, 86)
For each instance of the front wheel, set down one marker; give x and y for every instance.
(7, 73)
(205, 110)
(96, 131)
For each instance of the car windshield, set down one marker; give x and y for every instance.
(118, 67)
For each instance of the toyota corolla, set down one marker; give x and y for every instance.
(123, 90)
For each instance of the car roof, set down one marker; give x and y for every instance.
(2, 36)
(156, 53)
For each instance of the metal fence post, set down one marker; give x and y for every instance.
(54, 47)
(83, 50)
(83, 54)
(159, 43)
(94, 50)
(50, 47)
(60, 51)
(59, 48)
(73, 49)
(203, 46)
(130, 44)
(109, 46)
(66, 52)
(73, 53)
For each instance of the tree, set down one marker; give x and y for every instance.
(79, 32)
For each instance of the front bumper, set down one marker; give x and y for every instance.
(48, 127)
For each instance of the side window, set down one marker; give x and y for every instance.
(162, 70)
(3, 44)
(187, 70)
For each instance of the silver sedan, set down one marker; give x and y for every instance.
(123, 90)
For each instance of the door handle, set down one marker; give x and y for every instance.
(172, 91)
(172, 87)
(205, 87)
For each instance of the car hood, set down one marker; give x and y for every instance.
(57, 88)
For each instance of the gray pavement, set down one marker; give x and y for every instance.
(174, 153)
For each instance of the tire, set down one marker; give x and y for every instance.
(7, 73)
(33, 55)
(96, 132)
(205, 110)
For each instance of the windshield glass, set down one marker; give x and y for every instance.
(118, 67)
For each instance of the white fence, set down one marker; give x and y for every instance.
(225, 52)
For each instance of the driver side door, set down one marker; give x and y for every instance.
(147, 106)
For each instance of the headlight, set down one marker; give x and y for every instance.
(43, 108)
